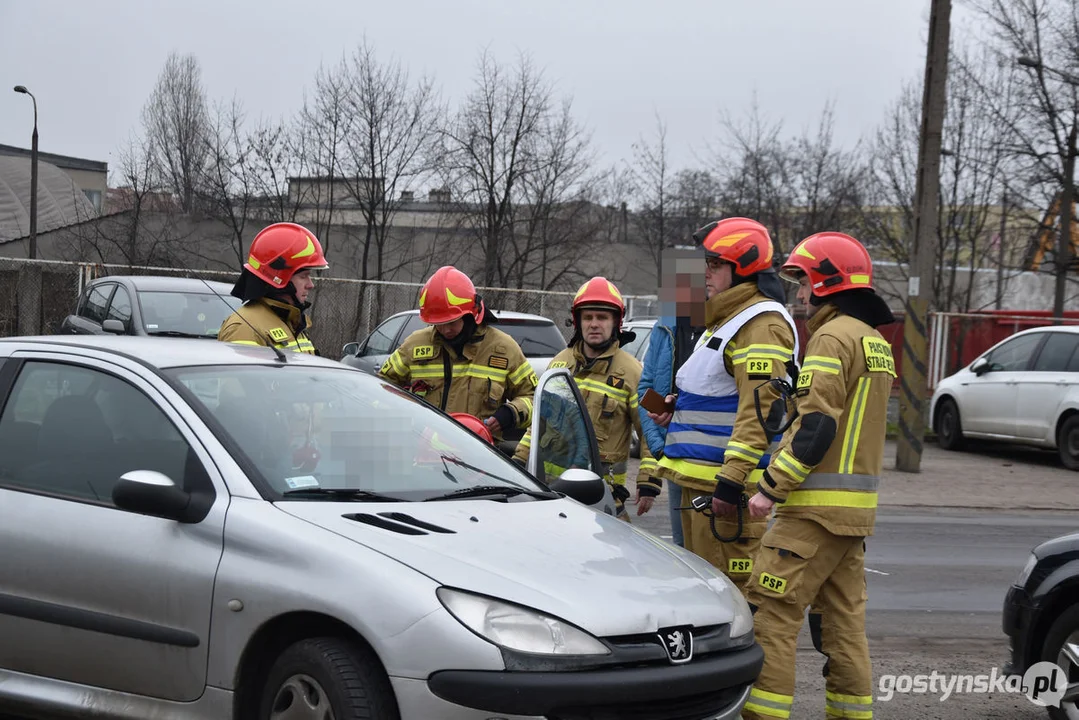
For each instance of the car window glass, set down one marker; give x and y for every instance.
(73, 431)
(564, 441)
(381, 340)
(1014, 354)
(536, 339)
(637, 346)
(414, 323)
(185, 313)
(1057, 351)
(120, 307)
(1073, 364)
(93, 308)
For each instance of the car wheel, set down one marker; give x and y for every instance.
(949, 427)
(1068, 443)
(1062, 647)
(326, 679)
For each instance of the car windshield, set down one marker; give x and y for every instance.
(324, 433)
(195, 314)
(537, 339)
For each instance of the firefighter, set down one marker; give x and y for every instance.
(607, 377)
(460, 364)
(823, 482)
(274, 285)
(716, 447)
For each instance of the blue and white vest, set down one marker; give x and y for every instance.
(707, 402)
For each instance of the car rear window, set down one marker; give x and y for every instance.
(537, 339)
(188, 313)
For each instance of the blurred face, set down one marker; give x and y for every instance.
(597, 326)
(303, 284)
(805, 292)
(452, 329)
(718, 276)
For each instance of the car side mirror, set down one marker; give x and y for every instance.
(980, 366)
(114, 326)
(352, 348)
(148, 492)
(584, 486)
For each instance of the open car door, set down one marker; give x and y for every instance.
(564, 452)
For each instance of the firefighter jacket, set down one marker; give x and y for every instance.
(828, 466)
(608, 385)
(262, 321)
(491, 372)
(715, 433)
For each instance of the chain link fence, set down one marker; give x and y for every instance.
(38, 294)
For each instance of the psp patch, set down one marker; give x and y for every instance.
(559, 364)
(740, 566)
(759, 368)
(805, 379)
(497, 361)
(278, 334)
(423, 352)
(777, 585)
(878, 355)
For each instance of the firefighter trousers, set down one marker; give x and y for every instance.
(800, 563)
(734, 559)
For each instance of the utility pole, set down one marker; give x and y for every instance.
(1064, 244)
(914, 386)
(1000, 248)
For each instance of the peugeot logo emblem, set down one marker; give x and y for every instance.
(678, 642)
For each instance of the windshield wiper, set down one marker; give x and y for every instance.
(176, 333)
(502, 490)
(458, 461)
(341, 494)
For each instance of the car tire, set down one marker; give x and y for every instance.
(1068, 443)
(1064, 629)
(949, 425)
(327, 674)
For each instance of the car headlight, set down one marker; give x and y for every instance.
(742, 624)
(517, 628)
(1032, 562)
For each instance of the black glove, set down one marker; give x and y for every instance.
(506, 417)
(727, 491)
(620, 493)
(648, 490)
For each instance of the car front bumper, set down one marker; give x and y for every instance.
(713, 687)
(1019, 618)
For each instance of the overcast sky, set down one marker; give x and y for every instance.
(92, 65)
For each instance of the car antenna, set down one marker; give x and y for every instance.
(277, 351)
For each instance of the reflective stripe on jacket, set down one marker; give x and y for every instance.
(265, 321)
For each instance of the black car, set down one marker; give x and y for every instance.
(151, 305)
(1041, 616)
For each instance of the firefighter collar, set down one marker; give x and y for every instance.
(723, 306)
(601, 363)
(292, 313)
(827, 312)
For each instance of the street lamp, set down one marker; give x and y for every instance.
(33, 176)
(1067, 199)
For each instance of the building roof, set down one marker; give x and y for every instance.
(64, 162)
(59, 201)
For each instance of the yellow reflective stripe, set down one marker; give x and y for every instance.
(832, 498)
(617, 479)
(842, 710)
(850, 699)
(398, 365)
(770, 352)
(603, 388)
(427, 371)
(690, 469)
(526, 441)
(648, 464)
(770, 704)
(854, 427)
(743, 451)
(246, 342)
(790, 465)
(823, 363)
(521, 373)
(634, 402)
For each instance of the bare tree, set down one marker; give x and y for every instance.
(653, 181)
(488, 150)
(694, 203)
(175, 121)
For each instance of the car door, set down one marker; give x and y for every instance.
(380, 343)
(91, 594)
(562, 436)
(91, 311)
(120, 308)
(989, 402)
(1044, 387)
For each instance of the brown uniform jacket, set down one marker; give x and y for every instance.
(491, 370)
(263, 321)
(843, 389)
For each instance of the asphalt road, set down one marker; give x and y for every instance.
(936, 582)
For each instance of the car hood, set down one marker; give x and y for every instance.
(555, 556)
(1058, 546)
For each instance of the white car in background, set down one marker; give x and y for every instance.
(1023, 390)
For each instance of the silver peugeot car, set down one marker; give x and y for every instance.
(207, 530)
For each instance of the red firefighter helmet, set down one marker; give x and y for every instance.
(447, 296)
(281, 250)
(832, 261)
(474, 424)
(599, 292)
(742, 242)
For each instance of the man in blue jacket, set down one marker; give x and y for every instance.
(682, 297)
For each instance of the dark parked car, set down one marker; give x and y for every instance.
(151, 305)
(1041, 616)
(538, 337)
